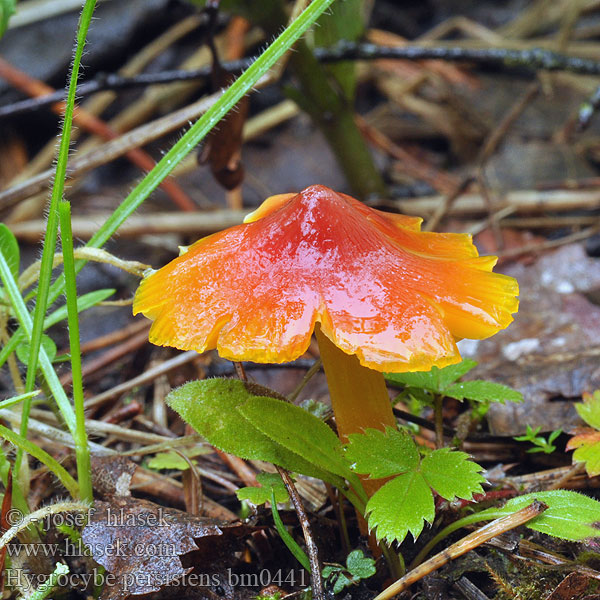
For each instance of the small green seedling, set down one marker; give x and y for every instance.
(358, 567)
(540, 443)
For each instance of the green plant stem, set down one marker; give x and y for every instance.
(82, 451)
(444, 533)
(24, 319)
(332, 113)
(41, 303)
(438, 406)
(16, 399)
(198, 131)
(186, 144)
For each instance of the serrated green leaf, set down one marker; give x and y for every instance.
(416, 379)
(9, 246)
(359, 565)
(570, 515)
(483, 391)
(448, 375)
(270, 483)
(380, 454)
(400, 506)
(211, 408)
(451, 474)
(297, 430)
(589, 409)
(48, 345)
(436, 380)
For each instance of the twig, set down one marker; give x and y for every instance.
(507, 58)
(95, 125)
(109, 357)
(440, 181)
(469, 542)
(311, 547)
(532, 59)
(111, 150)
(114, 82)
(587, 111)
(307, 377)
(114, 337)
(447, 203)
(547, 245)
(146, 377)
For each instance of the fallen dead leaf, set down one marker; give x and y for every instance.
(140, 544)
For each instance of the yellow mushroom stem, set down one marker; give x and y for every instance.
(359, 396)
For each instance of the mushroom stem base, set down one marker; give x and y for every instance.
(359, 396)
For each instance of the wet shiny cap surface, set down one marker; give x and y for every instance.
(396, 297)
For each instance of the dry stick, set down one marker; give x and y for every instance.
(440, 181)
(466, 27)
(114, 337)
(245, 473)
(529, 56)
(111, 150)
(102, 101)
(447, 203)
(146, 377)
(488, 148)
(491, 145)
(524, 54)
(311, 547)
(196, 497)
(561, 483)
(569, 20)
(101, 428)
(466, 205)
(93, 124)
(556, 222)
(547, 245)
(470, 542)
(109, 357)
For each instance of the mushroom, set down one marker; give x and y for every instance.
(381, 296)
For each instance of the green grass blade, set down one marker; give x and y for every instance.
(41, 303)
(35, 451)
(24, 318)
(82, 451)
(195, 134)
(83, 303)
(16, 399)
(287, 539)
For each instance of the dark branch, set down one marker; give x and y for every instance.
(532, 59)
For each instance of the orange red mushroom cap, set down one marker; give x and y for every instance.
(396, 297)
